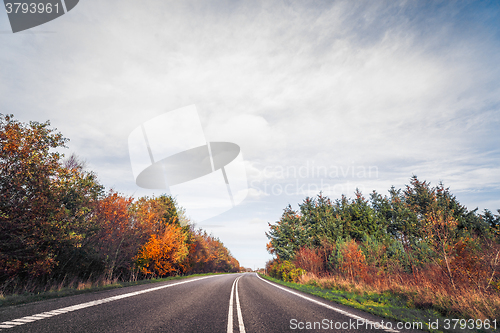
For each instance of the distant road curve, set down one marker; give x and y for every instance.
(228, 303)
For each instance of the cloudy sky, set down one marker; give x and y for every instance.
(319, 95)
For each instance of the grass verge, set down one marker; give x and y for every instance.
(17, 299)
(390, 306)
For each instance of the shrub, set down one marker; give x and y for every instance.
(285, 270)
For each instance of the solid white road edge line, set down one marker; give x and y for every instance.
(43, 315)
(345, 313)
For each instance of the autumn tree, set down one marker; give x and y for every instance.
(208, 254)
(441, 234)
(164, 254)
(151, 215)
(310, 260)
(164, 242)
(79, 192)
(46, 202)
(353, 260)
(29, 208)
(57, 222)
(115, 240)
(44, 205)
(405, 232)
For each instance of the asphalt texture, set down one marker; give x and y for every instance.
(198, 304)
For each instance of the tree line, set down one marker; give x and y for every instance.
(419, 232)
(57, 222)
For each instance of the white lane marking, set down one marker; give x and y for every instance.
(48, 314)
(24, 320)
(241, 326)
(238, 308)
(345, 313)
(30, 318)
(230, 313)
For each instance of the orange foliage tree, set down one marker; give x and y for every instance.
(165, 242)
(30, 211)
(151, 215)
(115, 240)
(353, 260)
(164, 254)
(208, 254)
(441, 231)
(57, 223)
(310, 260)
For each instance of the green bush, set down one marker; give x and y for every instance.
(285, 271)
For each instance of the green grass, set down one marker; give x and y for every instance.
(17, 299)
(385, 305)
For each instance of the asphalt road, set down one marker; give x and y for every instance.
(220, 303)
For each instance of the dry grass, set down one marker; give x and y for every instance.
(75, 287)
(35, 287)
(31, 291)
(423, 291)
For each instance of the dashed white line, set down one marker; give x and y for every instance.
(345, 313)
(48, 314)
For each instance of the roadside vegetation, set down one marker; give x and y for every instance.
(60, 228)
(387, 305)
(77, 287)
(418, 246)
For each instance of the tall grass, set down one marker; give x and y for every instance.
(38, 286)
(429, 290)
(29, 291)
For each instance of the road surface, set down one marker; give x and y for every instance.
(228, 303)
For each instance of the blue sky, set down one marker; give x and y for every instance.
(318, 95)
